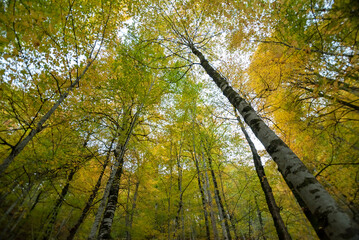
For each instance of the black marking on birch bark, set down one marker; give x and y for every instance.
(323, 218)
(307, 181)
(230, 94)
(287, 170)
(314, 191)
(247, 109)
(302, 168)
(349, 233)
(273, 146)
(247, 115)
(238, 100)
(316, 197)
(255, 124)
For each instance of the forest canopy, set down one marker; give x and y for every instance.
(179, 119)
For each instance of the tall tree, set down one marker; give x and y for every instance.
(272, 205)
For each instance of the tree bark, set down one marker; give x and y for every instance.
(106, 224)
(179, 217)
(335, 222)
(169, 200)
(259, 214)
(222, 212)
(127, 210)
(272, 205)
(206, 187)
(92, 197)
(204, 204)
(230, 216)
(131, 213)
(55, 211)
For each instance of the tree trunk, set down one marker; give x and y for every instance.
(106, 224)
(130, 220)
(325, 211)
(249, 220)
(230, 216)
(179, 216)
(206, 187)
(199, 178)
(204, 204)
(259, 213)
(272, 205)
(92, 197)
(222, 212)
(119, 156)
(127, 210)
(169, 202)
(55, 211)
(23, 216)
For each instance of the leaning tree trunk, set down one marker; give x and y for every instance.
(272, 205)
(106, 224)
(55, 211)
(260, 219)
(222, 212)
(207, 190)
(230, 216)
(179, 221)
(92, 197)
(325, 211)
(203, 198)
(127, 209)
(199, 179)
(130, 220)
(119, 156)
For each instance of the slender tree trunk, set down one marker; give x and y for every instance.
(102, 206)
(119, 155)
(20, 199)
(325, 211)
(259, 213)
(9, 221)
(36, 201)
(55, 211)
(199, 178)
(63, 223)
(222, 212)
(92, 197)
(206, 187)
(169, 203)
(10, 208)
(272, 205)
(127, 210)
(24, 214)
(130, 220)
(204, 204)
(179, 217)
(106, 224)
(230, 216)
(249, 220)
(12, 235)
